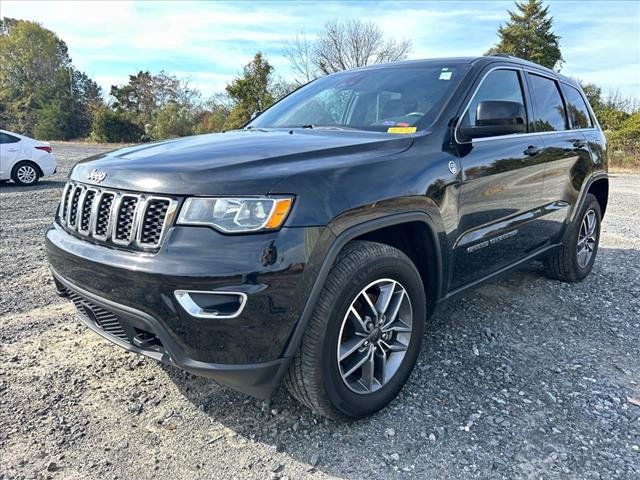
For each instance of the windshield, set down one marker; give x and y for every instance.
(382, 99)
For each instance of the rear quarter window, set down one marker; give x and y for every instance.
(576, 108)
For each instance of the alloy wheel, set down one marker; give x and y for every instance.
(27, 174)
(587, 238)
(374, 336)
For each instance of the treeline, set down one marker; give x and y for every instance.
(43, 95)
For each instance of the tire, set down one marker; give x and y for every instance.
(25, 173)
(315, 377)
(568, 262)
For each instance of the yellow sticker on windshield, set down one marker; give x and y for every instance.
(401, 130)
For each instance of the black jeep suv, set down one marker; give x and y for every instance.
(313, 244)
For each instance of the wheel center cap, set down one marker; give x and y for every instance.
(375, 335)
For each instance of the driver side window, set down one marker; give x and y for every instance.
(499, 85)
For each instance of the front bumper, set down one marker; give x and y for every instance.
(246, 352)
(137, 332)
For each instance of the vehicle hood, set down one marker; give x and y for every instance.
(245, 162)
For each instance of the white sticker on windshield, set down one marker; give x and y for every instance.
(445, 75)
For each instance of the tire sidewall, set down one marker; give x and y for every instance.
(590, 204)
(340, 396)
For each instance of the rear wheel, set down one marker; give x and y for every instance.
(25, 173)
(573, 261)
(364, 335)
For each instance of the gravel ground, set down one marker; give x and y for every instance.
(524, 378)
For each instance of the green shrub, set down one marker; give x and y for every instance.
(624, 143)
(172, 121)
(109, 126)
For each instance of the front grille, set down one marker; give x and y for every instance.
(133, 220)
(106, 320)
(101, 229)
(73, 207)
(124, 219)
(85, 213)
(153, 220)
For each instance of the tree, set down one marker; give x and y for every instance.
(171, 121)
(611, 110)
(528, 34)
(624, 143)
(31, 55)
(213, 114)
(341, 46)
(145, 93)
(300, 53)
(250, 92)
(41, 93)
(110, 126)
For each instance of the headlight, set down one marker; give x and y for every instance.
(236, 215)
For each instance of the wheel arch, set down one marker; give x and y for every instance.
(368, 231)
(600, 189)
(415, 239)
(26, 160)
(598, 185)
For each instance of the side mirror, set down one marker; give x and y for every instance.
(496, 117)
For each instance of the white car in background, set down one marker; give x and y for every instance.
(23, 159)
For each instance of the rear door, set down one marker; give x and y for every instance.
(566, 153)
(581, 118)
(9, 150)
(501, 190)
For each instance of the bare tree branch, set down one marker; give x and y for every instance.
(299, 52)
(342, 46)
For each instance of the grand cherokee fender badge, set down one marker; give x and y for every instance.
(96, 176)
(492, 241)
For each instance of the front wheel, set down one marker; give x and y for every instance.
(573, 260)
(364, 335)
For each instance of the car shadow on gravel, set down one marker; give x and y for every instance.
(527, 373)
(41, 185)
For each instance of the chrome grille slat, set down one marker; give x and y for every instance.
(104, 207)
(72, 209)
(64, 202)
(125, 219)
(153, 223)
(124, 227)
(85, 211)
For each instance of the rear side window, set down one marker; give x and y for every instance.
(576, 108)
(547, 105)
(498, 85)
(6, 138)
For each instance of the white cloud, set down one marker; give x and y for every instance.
(210, 42)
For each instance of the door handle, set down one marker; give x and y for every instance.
(12, 149)
(532, 151)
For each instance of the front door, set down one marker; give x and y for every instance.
(501, 192)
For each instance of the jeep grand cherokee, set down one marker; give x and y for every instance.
(314, 244)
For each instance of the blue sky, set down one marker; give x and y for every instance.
(208, 42)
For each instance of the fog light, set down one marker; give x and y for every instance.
(208, 304)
